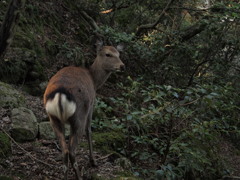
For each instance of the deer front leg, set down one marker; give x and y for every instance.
(58, 128)
(89, 138)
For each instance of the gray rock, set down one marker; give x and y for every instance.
(46, 131)
(10, 97)
(24, 125)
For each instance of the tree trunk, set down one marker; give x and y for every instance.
(9, 24)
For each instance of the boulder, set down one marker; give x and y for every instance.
(46, 131)
(24, 125)
(10, 97)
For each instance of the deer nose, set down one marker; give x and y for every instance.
(122, 67)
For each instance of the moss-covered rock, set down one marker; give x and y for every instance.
(108, 141)
(24, 125)
(5, 145)
(46, 131)
(10, 97)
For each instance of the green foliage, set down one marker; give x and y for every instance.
(175, 132)
(100, 115)
(72, 54)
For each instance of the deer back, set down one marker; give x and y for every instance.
(70, 91)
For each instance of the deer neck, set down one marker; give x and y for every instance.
(98, 74)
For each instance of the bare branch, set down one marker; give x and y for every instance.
(92, 24)
(153, 25)
(90, 20)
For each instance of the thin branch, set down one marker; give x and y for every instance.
(192, 102)
(153, 25)
(196, 70)
(93, 24)
(104, 157)
(26, 152)
(90, 20)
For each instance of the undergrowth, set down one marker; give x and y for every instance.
(172, 133)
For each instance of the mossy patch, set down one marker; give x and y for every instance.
(5, 145)
(108, 141)
(10, 97)
(6, 178)
(126, 178)
(125, 175)
(22, 135)
(22, 65)
(95, 176)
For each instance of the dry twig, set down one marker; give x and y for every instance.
(27, 153)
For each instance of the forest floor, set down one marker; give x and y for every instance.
(42, 159)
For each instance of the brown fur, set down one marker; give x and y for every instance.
(79, 86)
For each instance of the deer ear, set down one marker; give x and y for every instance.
(99, 45)
(120, 47)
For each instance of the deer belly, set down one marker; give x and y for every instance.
(61, 107)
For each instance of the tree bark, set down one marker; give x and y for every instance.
(9, 24)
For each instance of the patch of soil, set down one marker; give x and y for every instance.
(231, 155)
(42, 160)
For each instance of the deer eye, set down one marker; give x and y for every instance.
(108, 55)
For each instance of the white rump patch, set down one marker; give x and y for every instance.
(68, 107)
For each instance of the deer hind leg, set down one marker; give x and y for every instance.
(59, 130)
(73, 141)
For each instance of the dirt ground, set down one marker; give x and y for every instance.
(42, 159)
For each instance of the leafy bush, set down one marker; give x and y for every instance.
(174, 133)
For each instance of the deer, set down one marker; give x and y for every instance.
(69, 99)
